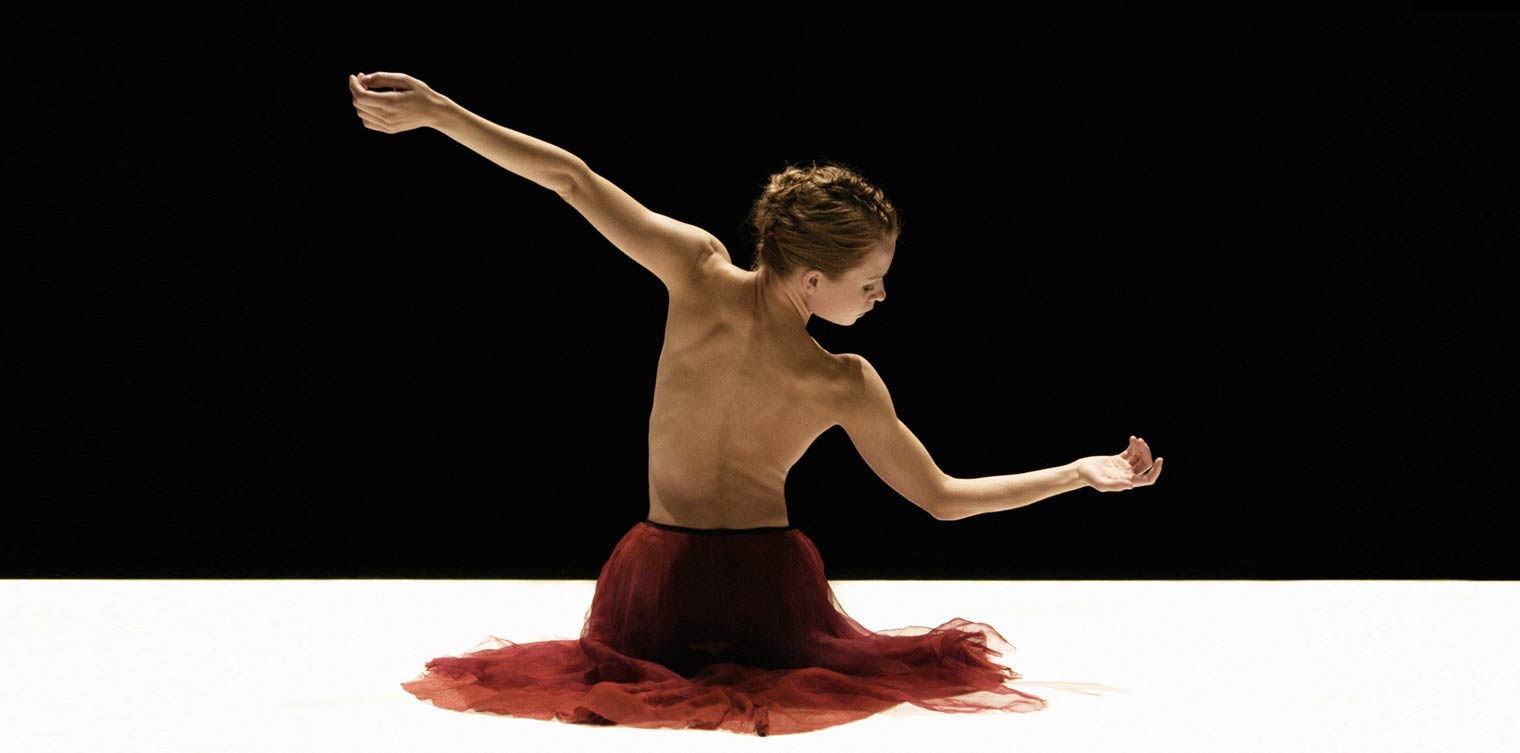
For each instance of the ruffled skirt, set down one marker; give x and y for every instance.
(733, 629)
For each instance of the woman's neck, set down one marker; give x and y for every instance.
(781, 300)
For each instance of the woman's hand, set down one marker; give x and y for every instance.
(409, 104)
(1127, 470)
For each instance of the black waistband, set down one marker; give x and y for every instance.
(682, 529)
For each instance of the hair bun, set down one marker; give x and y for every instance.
(825, 216)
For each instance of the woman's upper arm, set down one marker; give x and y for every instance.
(667, 247)
(892, 451)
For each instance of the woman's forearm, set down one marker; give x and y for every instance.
(965, 497)
(539, 161)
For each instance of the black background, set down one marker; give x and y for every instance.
(261, 340)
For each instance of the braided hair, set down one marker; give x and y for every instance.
(825, 217)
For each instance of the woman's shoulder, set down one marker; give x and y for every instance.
(843, 372)
(846, 379)
(715, 280)
(718, 262)
(715, 270)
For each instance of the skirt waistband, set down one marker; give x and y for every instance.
(710, 531)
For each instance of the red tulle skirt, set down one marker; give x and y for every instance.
(733, 629)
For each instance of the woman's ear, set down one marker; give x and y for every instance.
(809, 278)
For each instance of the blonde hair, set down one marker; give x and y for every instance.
(825, 217)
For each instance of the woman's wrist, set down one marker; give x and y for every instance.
(443, 112)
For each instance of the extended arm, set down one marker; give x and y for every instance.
(900, 459)
(673, 250)
(537, 160)
(669, 248)
(965, 497)
(1130, 469)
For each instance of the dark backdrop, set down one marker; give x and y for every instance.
(268, 342)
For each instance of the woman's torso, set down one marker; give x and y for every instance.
(736, 403)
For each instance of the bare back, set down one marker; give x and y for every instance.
(736, 403)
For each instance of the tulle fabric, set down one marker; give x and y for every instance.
(731, 629)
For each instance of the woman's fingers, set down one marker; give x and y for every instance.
(394, 84)
(383, 78)
(368, 104)
(369, 110)
(373, 111)
(365, 88)
(1144, 470)
(361, 96)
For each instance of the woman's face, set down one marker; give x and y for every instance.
(846, 300)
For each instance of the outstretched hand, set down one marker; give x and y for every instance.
(1127, 470)
(410, 103)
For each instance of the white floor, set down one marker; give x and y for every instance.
(1220, 666)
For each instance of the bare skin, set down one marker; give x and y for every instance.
(741, 389)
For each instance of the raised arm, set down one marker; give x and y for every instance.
(396, 103)
(669, 248)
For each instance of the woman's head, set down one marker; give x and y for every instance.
(831, 228)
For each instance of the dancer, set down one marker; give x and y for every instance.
(714, 612)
